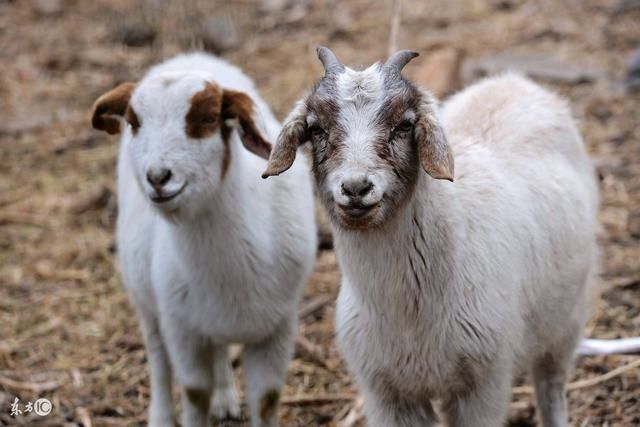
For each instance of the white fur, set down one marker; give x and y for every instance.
(503, 257)
(222, 263)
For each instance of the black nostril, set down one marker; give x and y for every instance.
(159, 177)
(345, 191)
(357, 187)
(365, 190)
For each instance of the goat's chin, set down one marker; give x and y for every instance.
(371, 220)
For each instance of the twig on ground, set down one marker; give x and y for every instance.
(317, 399)
(310, 351)
(355, 414)
(30, 386)
(314, 305)
(589, 382)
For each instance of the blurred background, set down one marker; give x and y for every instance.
(67, 332)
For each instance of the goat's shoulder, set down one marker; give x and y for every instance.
(507, 110)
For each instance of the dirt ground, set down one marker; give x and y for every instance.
(67, 332)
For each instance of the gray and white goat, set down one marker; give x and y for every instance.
(450, 289)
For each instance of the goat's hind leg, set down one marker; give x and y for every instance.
(552, 367)
(549, 377)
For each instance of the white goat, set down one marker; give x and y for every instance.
(210, 254)
(449, 290)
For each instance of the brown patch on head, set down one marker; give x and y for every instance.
(269, 405)
(198, 398)
(109, 106)
(203, 118)
(226, 161)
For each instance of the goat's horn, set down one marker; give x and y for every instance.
(398, 60)
(329, 60)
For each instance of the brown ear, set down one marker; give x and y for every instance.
(293, 133)
(111, 105)
(238, 105)
(435, 154)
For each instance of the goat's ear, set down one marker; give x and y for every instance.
(293, 133)
(109, 109)
(435, 153)
(239, 106)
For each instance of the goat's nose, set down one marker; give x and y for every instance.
(158, 177)
(356, 187)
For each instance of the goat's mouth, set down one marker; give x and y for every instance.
(357, 215)
(161, 197)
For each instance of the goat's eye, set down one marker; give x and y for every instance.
(404, 127)
(316, 132)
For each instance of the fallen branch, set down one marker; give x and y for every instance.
(314, 305)
(19, 218)
(589, 382)
(310, 351)
(355, 414)
(30, 386)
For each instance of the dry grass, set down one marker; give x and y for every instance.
(67, 332)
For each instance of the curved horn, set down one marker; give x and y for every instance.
(329, 60)
(398, 60)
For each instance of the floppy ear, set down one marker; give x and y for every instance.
(435, 154)
(293, 133)
(239, 106)
(109, 109)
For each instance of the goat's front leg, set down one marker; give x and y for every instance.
(486, 403)
(225, 403)
(191, 356)
(161, 406)
(386, 408)
(265, 364)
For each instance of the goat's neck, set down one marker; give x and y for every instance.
(410, 257)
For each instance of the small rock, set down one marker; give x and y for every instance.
(535, 66)
(136, 35)
(45, 268)
(440, 71)
(632, 82)
(219, 34)
(48, 7)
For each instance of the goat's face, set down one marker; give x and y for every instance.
(179, 127)
(370, 131)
